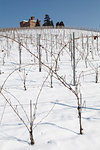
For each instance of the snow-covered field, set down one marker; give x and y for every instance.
(54, 106)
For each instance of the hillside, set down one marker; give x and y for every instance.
(37, 76)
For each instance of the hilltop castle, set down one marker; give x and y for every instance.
(30, 23)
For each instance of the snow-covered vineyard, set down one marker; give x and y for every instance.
(49, 89)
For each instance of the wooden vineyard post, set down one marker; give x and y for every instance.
(74, 82)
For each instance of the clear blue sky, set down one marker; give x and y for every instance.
(76, 13)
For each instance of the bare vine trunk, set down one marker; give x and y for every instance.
(80, 121)
(79, 113)
(31, 125)
(31, 135)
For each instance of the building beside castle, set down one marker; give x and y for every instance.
(30, 23)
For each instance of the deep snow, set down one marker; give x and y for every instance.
(56, 126)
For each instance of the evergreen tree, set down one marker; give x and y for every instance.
(57, 24)
(62, 24)
(47, 21)
(51, 23)
(37, 23)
